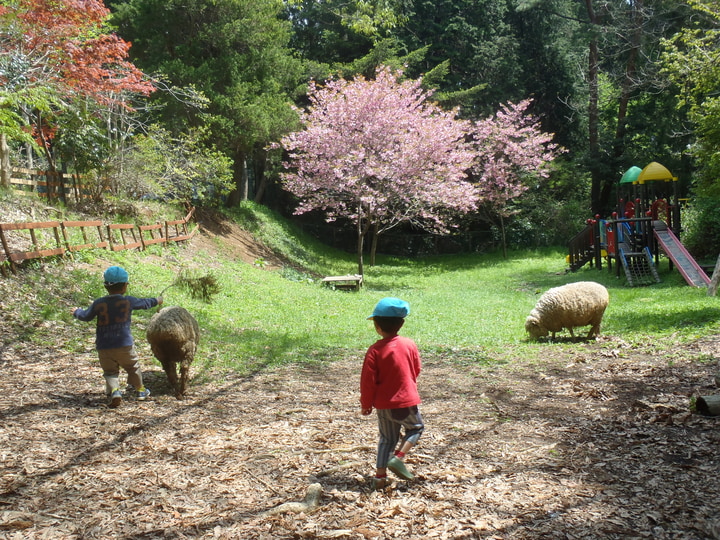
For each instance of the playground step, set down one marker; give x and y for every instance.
(639, 267)
(580, 260)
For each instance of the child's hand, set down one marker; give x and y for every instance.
(366, 412)
(160, 300)
(73, 310)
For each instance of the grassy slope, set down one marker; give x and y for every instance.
(466, 308)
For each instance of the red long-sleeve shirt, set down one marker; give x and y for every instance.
(389, 374)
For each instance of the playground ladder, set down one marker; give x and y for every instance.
(639, 267)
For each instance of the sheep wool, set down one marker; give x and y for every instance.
(573, 305)
(174, 334)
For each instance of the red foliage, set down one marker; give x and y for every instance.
(68, 49)
(99, 68)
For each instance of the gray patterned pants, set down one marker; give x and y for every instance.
(390, 423)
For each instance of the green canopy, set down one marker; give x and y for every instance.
(631, 175)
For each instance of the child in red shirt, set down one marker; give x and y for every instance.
(389, 384)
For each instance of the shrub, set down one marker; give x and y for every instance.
(701, 226)
(175, 169)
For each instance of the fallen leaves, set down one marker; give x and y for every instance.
(603, 448)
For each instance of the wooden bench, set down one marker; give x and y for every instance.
(350, 281)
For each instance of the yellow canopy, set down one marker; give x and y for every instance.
(654, 171)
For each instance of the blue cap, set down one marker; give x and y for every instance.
(115, 275)
(391, 307)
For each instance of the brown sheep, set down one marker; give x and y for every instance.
(174, 334)
(576, 304)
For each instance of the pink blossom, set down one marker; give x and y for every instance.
(379, 153)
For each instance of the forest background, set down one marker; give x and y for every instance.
(187, 101)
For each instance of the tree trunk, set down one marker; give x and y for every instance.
(628, 80)
(360, 241)
(240, 176)
(5, 171)
(373, 246)
(261, 178)
(502, 236)
(715, 280)
(593, 116)
(627, 86)
(708, 405)
(29, 156)
(363, 226)
(244, 182)
(46, 145)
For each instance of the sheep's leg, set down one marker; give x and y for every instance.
(572, 334)
(184, 372)
(594, 331)
(170, 370)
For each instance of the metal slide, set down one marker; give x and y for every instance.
(676, 252)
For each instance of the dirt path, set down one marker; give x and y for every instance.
(592, 447)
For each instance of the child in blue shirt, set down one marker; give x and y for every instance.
(113, 339)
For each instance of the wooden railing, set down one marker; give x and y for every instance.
(83, 226)
(25, 241)
(53, 185)
(583, 247)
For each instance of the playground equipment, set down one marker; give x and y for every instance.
(641, 228)
(676, 252)
(632, 250)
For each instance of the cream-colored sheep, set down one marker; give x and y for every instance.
(572, 305)
(174, 335)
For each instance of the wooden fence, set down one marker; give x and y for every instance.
(25, 241)
(53, 185)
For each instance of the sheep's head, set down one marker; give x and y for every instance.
(534, 327)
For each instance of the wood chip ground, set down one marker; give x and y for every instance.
(599, 445)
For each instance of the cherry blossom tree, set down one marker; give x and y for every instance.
(379, 154)
(512, 153)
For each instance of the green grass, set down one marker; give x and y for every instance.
(467, 309)
(284, 237)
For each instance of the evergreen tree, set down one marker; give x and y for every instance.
(235, 52)
(476, 39)
(691, 62)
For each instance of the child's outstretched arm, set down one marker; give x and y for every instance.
(83, 314)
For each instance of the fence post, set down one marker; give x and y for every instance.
(6, 248)
(57, 236)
